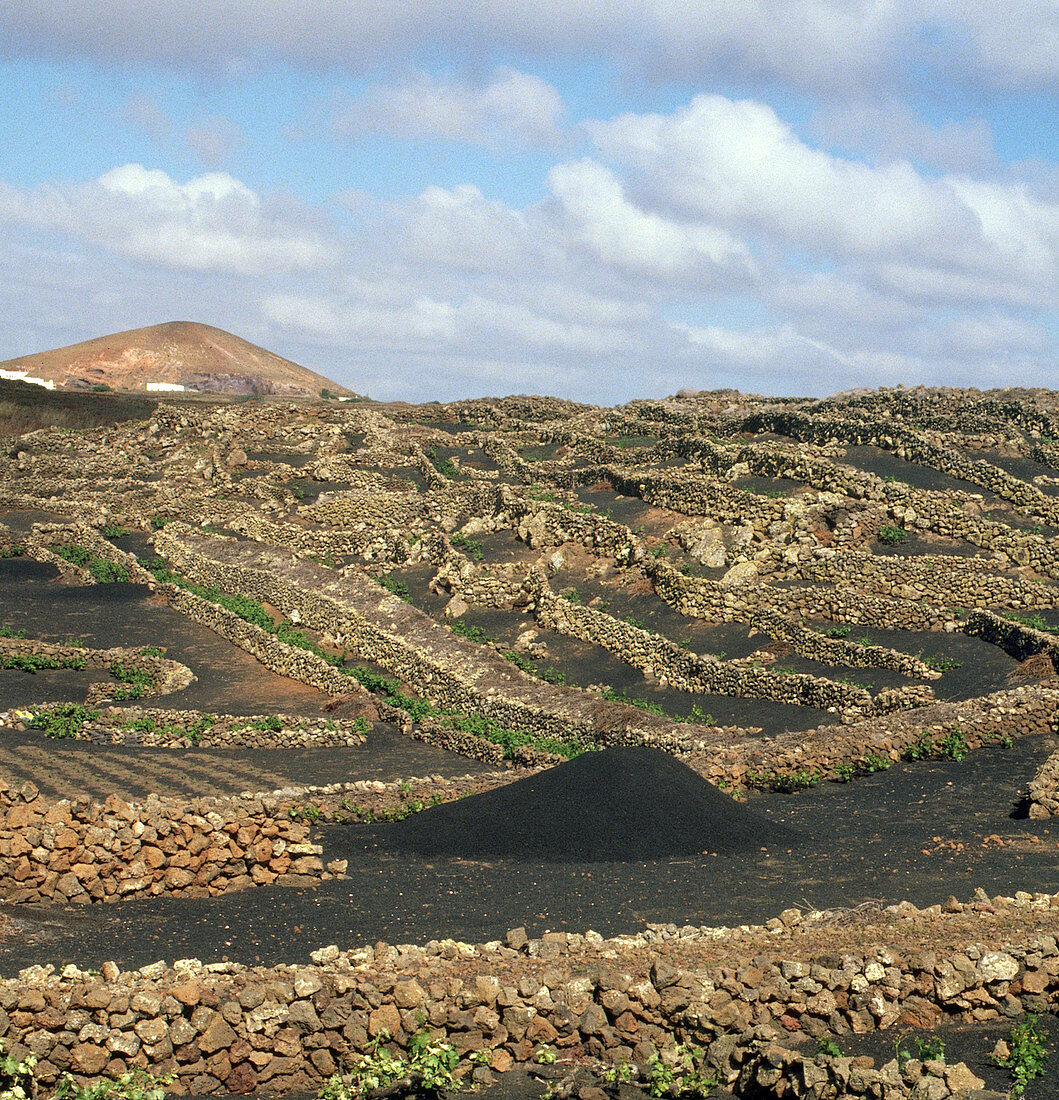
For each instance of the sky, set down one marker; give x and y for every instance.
(595, 199)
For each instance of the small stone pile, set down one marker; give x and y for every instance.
(84, 851)
(1044, 789)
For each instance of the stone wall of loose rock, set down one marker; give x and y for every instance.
(195, 729)
(84, 851)
(939, 580)
(1016, 639)
(377, 627)
(770, 1069)
(1043, 793)
(718, 601)
(367, 542)
(830, 752)
(672, 666)
(286, 660)
(935, 511)
(703, 496)
(503, 585)
(225, 1027)
(540, 524)
(815, 646)
(165, 676)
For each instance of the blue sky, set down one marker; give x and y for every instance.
(601, 200)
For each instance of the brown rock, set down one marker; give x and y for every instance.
(89, 1059)
(385, 1018)
(919, 1013)
(241, 1080)
(409, 994)
(217, 1035)
(187, 993)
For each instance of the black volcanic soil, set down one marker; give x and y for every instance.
(918, 831)
(600, 806)
(227, 679)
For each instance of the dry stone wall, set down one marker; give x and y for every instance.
(939, 580)
(1043, 793)
(375, 626)
(83, 851)
(837, 753)
(287, 660)
(195, 729)
(161, 675)
(674, 667)
(223, 1027)
(717, 601)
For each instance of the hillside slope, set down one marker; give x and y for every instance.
(180, 355)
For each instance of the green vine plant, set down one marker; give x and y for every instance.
(680, 1073)
(1027, 1053)
(429, 1068)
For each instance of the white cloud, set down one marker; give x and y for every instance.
(618, 233)
(513, 110)
(211, 223)
(889, 129)
(740, 164)
(462, 230)
(487, 325)
(821, 45)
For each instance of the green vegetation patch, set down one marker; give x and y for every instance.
(101, 570)
(34, 662)
(65, 720)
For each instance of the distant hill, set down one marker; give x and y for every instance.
(181, 356)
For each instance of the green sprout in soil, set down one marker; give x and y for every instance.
(891, 534)
(136, 682)
(953, 746)
(939, 663)
(64, 720)
(395, 586)
(134, 1084)
(101, 570)
(444, 466)
(35, 662)
(430, 1063)
(1034, 621)
(472, 547)
(681, 1075)
(784, 782)
(1027, 1053)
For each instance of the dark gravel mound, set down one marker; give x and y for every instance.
(620, 804)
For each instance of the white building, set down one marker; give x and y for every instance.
(25, 376)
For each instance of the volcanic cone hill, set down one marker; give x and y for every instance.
(173, 357)
(621, 804)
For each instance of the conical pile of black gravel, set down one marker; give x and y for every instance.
(619, 804)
